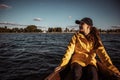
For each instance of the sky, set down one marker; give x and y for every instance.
(60, 13)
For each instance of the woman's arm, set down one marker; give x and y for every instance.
(105, 59)
(69, 51)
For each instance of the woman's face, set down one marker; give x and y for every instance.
(84, 28)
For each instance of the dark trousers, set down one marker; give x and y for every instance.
(89, 72)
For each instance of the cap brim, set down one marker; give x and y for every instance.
(79, 22)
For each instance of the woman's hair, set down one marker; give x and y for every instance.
(94, 36)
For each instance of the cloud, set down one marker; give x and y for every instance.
(4, 6)
(72, 26)
(69, 17)
(5, 23)
(116, 27)
(37, 19)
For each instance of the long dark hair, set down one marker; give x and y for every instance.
(94, 36)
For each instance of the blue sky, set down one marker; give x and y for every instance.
(60, 13)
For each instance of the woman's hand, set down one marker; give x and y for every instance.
(57, 69)
(117, 75)
(52, 75)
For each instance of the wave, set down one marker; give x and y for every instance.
(33, 56)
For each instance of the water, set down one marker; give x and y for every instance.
(32, 56)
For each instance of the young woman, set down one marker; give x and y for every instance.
(82, 50)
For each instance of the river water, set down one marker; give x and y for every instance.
(32, 56)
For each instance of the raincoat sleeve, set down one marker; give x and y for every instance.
(105, 59)
(69, 51)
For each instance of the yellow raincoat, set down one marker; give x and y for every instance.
(80, 50)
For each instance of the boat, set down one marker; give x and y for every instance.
(65, 74)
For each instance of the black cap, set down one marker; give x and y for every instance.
(86, 20)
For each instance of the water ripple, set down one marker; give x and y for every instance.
(33, 56)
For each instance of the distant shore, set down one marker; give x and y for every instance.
(59, 32)
(109, 32)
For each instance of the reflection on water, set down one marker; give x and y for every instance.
(33, 56)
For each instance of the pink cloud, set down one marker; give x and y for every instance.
(4, 6)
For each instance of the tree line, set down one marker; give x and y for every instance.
(110, 30)
(33, 28)
(30, 28)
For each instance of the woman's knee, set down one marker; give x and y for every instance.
(76, 71)
(92, 72)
